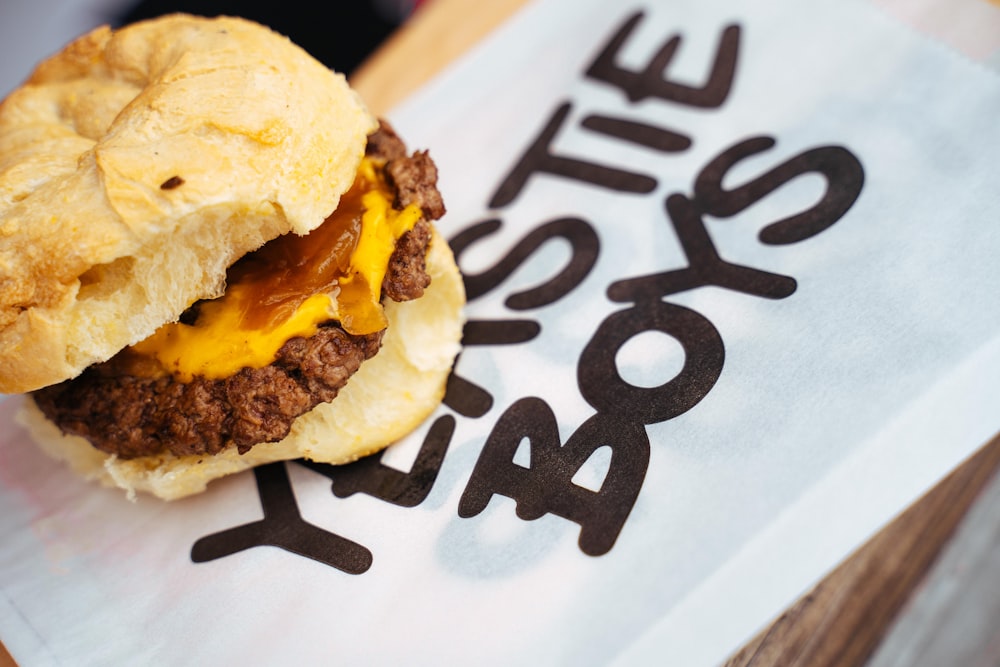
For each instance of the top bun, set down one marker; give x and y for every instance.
(137, 165)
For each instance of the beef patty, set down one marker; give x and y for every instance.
(133, 416)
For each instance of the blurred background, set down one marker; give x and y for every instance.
(340, 35)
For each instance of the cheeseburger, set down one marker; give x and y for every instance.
(213, 256)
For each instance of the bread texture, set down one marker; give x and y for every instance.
(386, 399)
(137, 165)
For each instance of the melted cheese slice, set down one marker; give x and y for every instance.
(263, 308)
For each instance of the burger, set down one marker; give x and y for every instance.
(213, 256)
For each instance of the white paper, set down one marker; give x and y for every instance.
(835, 407)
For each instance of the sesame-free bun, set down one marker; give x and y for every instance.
(387, 398)
(137, 165)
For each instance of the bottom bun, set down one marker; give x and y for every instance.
(389, 396)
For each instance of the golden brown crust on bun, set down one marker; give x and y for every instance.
(134, 169)
(386, 399)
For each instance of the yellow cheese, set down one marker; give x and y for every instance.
(224, 339)
(218, 346)
(360, 310)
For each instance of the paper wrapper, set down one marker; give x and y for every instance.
(733, 289)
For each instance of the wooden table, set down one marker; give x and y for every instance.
(846, 617)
